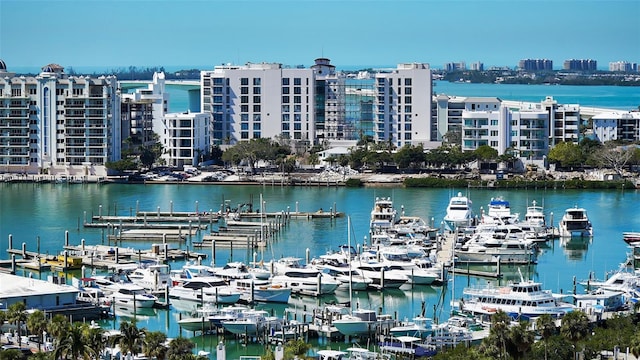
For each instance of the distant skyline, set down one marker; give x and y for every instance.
(112, 34)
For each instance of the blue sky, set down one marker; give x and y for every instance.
(350, 32)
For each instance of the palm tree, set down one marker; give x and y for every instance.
(11, 354)
(130, 338)
(58, 326)
(546, 328)
(153, 344)
(521, 339)
(17, 314)
(94, 337)
(179, 347)
(73, 345)
(499, 333)
(37, 324)
(575, 327)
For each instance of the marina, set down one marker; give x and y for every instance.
(302, 237)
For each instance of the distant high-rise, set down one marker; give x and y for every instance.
(623, 66)
(455, 66)
(477, 66)
(580, 65)
(535, 65)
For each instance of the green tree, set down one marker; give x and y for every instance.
(37, 324)
(94, 338)
(495, 345)
(130, 338)
(11, 354)
(409, 156)
(179, 348)
(72, 345)
(575, 327)
(153, 345)
(58, 326)
(486, 153)
(566, 155)
(546, 327)
(296, 348)
(520, 339)
(17, 315)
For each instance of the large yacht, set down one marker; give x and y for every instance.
(521, 299)
(383, 215)
(575, 222)
(459, 213)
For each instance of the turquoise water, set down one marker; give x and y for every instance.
(614, 97)
(28, 211)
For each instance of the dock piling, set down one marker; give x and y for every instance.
(10, 241)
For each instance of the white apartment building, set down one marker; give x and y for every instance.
(617, 125)
(185, 138)
(330, 103)
(262, 100)
(402, 105)
(564, 121)
(524, 130)
(58, 124)
(141, 109)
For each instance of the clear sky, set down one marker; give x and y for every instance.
(173, 33)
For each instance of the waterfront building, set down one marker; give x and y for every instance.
(580, 65)
(141, 109)
(185, 138)
(402, 105)
(535, 65)
(617, 125)
(58, 124)
(263, 100)
(330, 103)
(563, 122)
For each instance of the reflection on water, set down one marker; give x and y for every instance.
(576, 247)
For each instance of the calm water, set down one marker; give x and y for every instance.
(28, 211)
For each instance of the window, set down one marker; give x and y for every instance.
(256, 117)
(407, 117)
(407, 99)
(285, 108)
(285, 81)
(244, 135)
(256, 108)
(256, 99)
(256, 90)
(494, 144)
(297, 126)
(244, 99)
(407, 82)
(244, 108)
(285, 90)
(297, 108)
(244, 126)
(244, 117)
(407, 108)
(257, 81)
(256, 134)
(407, 91)
(407, 136)
(244, 90)
(285, 117)
(297, 90)
(296, 117)
(244, 81)
(256, 126)
(494, 132)
(494, 122)
(285, 99)
(407, 127)
(297, 81)
(297, 99)
(285, 126)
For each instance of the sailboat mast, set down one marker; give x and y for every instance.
(349, 260)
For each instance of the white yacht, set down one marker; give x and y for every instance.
(152, 277)
(381, 276)
(362, 322)
(499, 212)
(575, 222)
(251, 322)
(133, 295)
(383, 215)
(349, 278)
(535, 216)
(262, 290)
(459, 213)
(521, 299)
(491, 250)
(307, 281)
(205, 290)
